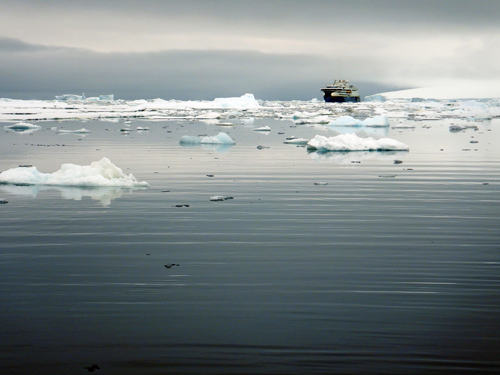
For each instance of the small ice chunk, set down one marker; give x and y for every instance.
(78, 131)
(263, 129)
(218, 198)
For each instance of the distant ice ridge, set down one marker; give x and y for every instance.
(73, 97)
(352, 142)
(219, 139)
(245, 108)
(98, 173)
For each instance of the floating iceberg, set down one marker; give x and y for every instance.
(351, 142)
(382, 120)
(244, 101)
(219, 139)
(22, 126)
(98, 173)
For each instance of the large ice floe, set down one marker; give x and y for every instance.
(352, 142)
(98, 173)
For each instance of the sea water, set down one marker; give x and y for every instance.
(322, 263)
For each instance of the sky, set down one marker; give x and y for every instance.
(274, 49)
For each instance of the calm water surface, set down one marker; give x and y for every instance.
(364, 275)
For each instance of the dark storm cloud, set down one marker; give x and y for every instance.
(43, 72)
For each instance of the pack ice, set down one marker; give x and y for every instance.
(98, 173)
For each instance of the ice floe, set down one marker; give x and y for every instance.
(98, 173)
(22, 126)
(219, 139)
(352, 142)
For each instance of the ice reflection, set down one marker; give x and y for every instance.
(348, 157)
(104, 195)
(221, 149)
(362, 131)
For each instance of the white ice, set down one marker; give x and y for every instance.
(352, 142)
(98, 173)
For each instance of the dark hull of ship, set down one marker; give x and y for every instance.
(341, 99)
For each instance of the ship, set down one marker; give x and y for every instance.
(341, 92)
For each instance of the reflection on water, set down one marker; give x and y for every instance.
(362, 131)
(104, 195)
(351, 157)
(24, 131)
(220, 148)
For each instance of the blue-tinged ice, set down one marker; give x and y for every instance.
(219, 139)
(22, 126)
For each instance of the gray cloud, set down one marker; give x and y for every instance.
(45, 72)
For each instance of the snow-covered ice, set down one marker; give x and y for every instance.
(352, 142)
(98, 173)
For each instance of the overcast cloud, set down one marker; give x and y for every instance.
(275, 49)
